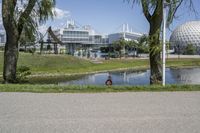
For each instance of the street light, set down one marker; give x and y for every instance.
(165, 4)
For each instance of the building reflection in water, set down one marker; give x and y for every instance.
(173, 76)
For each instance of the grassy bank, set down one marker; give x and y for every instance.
(94, 89)
(63, 64)
(48, 69)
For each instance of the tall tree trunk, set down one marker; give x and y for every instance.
(25, 48)
(12, 38)
(155, 20)
(155, 59)
(10, 59)
(55, 48)
(41, 46)
(14, 25)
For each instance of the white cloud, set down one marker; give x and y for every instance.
(60, 14)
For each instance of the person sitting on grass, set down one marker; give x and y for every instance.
(109, 81)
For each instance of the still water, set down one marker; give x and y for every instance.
(173, 76)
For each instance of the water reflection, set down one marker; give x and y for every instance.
(186, 76)
(173, 76)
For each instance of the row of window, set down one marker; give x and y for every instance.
(83, 40)
(76, 33)
(75, 39)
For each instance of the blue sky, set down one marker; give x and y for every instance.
(105, 16)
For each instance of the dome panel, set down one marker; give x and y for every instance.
(186, 33)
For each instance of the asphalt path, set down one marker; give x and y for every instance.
(142, 112)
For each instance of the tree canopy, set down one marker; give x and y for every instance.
(153, 12)
(21, 16)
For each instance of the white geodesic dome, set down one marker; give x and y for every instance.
(188, 33)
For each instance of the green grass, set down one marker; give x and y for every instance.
(49, 69)
(64, 64)
(52, 79)
(183, 62)
(93, 89)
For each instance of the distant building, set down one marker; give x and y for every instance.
(84, 39)
(2, 39)
(2, 35)
(79, 35)
(126, 34)
(77, 38)
(186, 34)
(81, 38)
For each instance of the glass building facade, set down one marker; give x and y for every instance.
(80, 36)
(124, 35)
(2, 35)
(75, 36)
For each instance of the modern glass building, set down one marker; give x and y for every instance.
(186, 34)
(76, 38)
(2, 35)
(86, 35)
(125, 33)
(128, 36)
(83, 35)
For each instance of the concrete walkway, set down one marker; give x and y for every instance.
(166, 112)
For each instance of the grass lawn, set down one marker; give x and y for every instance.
(47, 68)
(93, 89)
(60, 64)
(64, 64)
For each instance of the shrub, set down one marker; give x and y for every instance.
(190, 50)
(32, 50)
(22, 73)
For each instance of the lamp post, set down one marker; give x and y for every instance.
(164, 42)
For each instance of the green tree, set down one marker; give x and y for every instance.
(190, 49)
(119, 46)
(168, 46)
(153, 12)
(27, 39)
(15, 20)
(143, 44)
(139, 46)
(133, 46)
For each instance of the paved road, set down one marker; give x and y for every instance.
(166, 112)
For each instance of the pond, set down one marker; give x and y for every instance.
(173, 76)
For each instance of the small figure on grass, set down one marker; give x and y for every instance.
(109, 80)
